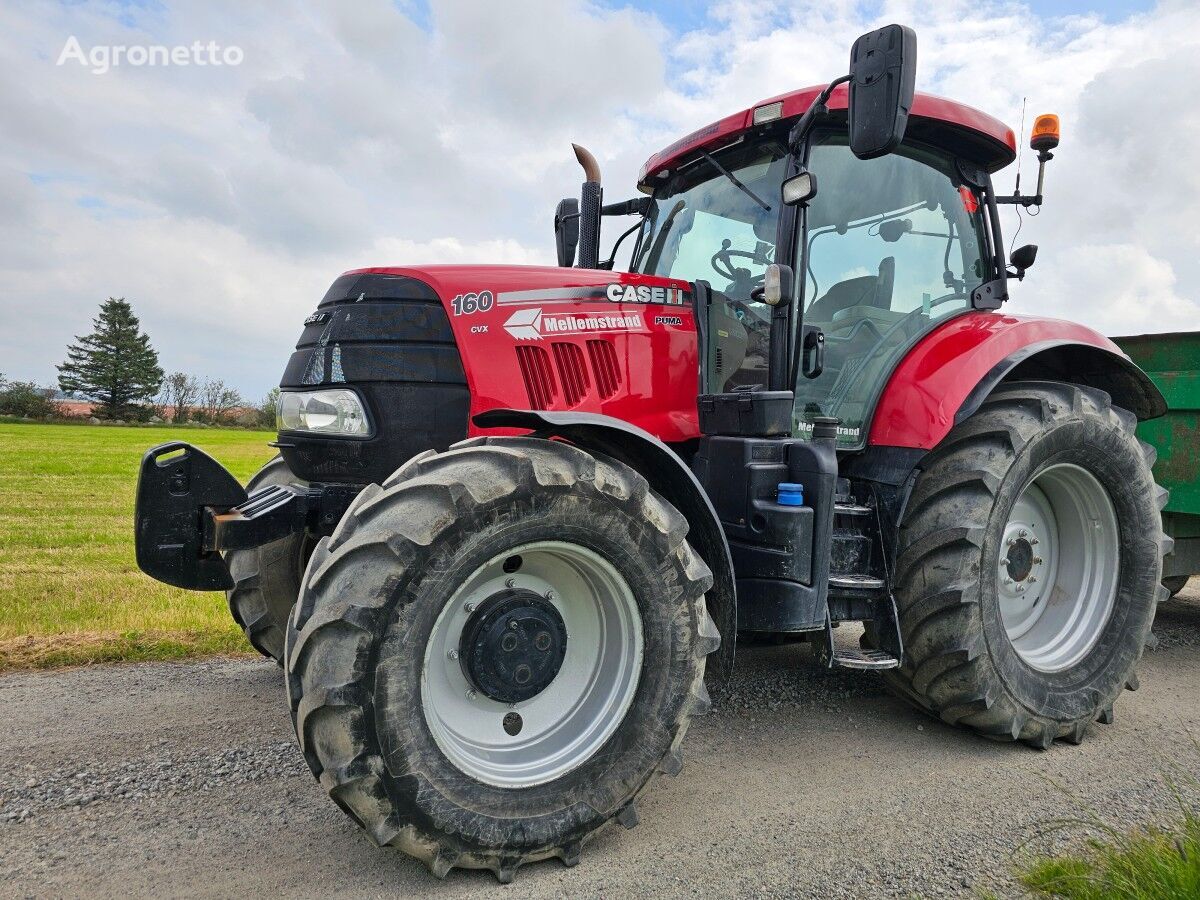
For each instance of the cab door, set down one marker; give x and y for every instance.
(890, 248)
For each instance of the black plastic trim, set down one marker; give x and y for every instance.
(1067, 361)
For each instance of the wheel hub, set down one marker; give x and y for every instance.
(513, 645)
(1020, 559)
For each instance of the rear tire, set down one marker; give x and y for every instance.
(401, 719)
(266, 579)
(986, 645)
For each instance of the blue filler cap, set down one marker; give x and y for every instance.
(791, 494)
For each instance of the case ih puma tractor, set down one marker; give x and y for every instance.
(521, 514)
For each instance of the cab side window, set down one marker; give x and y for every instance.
(894, 245)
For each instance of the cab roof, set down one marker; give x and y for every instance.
(972, 134)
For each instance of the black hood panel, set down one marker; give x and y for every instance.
(387, 337)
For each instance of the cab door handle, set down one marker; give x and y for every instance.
(813, 361)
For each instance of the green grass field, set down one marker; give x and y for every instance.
(70, 591)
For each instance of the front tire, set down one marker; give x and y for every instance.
(404, 701)
(266, 579)
(1028, 566)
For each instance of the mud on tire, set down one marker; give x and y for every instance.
(960, 663)
(372, 594)
(266, 579)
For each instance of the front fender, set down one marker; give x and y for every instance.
(950, 372)
(671, 478)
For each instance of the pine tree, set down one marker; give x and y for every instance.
(115, 364)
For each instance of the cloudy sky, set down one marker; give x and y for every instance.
(222, 200)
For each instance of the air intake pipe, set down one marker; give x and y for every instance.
(589, 209)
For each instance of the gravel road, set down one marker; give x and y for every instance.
(182, 779)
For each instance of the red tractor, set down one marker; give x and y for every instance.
(521, 514)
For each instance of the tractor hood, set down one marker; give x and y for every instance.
(429, 347)
(516, 285)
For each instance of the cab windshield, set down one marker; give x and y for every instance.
(703, 226)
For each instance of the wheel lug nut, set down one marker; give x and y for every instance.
(469, 607)
(513, 624)
(471, 695)
(453, 654)
(1023, 533)
(1012, 542)
(1032, 579)
(550, 595)
(510, 582)
(1037, 560)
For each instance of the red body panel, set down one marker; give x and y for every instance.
(929, 386)
(634, 361)
(925, 106)
(653, 354)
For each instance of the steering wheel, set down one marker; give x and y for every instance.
(741, 281)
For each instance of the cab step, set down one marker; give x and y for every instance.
(855, 582)
(864, 659)
(846, 508)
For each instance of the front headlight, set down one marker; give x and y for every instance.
(326, 412)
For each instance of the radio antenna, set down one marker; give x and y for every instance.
(1020, 144)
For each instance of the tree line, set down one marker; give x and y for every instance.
(116, 368)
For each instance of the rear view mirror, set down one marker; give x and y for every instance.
(566, 231)
(883, 77)
(1023, 258)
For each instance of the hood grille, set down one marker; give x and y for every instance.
(564, 376)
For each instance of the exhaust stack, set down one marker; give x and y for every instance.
(589, 209)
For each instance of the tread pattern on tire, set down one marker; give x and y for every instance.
(260, 609)
(947, 671)
(331, 645)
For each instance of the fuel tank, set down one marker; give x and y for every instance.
(427, 348)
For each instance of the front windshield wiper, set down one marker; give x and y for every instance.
(741, 187)
(661, 240)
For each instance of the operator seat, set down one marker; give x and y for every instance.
(865, 290)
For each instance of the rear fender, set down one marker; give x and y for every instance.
(953, 369)
(671, 478)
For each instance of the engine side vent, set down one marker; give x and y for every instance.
(572, 371)
(538, 376)
(603, 356)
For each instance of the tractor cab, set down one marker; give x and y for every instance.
(882, 250)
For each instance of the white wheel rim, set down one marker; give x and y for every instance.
(564, 725)
(1057, 567)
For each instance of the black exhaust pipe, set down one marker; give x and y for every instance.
(590, 199)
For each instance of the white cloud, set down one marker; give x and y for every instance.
(222, 202)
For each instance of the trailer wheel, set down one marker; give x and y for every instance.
(266, 579)
(496, 650)
(1028, 565)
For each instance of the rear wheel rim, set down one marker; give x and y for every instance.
(541, 738)
(1057, 567)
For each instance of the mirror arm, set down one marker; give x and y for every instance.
(1025, 200)
(1028, 200)
(638, 206)
(815, 112)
